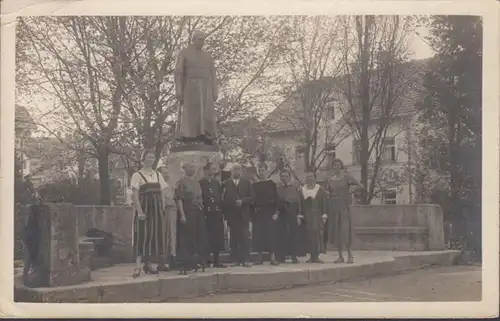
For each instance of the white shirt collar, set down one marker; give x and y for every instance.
(310, 192)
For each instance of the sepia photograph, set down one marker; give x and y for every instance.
(251, 158)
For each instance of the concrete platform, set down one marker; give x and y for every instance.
(116, 285)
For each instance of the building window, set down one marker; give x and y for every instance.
(356, 151)
(330, 107)
(389, 197)
(388, 150)
(390, 176)
(300, 151)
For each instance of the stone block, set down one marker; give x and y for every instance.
(86, 250)
(321, 274)
(59, 246)
(186, 286)
(204, 284)
(412, 227)
(117, 220)
(85, 294)
(139, 290)
(25, 294)
(434, 219)
(264, 280)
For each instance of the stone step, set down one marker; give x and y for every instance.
(116, 285)
(99, 262)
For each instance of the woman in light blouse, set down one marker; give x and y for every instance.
(148, 199)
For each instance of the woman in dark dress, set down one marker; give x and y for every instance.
(313, 206)
(289, 241)
(340, 224)
(265, 217)
(148, 193)
(192, 238)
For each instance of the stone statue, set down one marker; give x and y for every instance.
(196, 90)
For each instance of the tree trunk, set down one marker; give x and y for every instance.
(365, 106)
(103, 160)
(81, 172)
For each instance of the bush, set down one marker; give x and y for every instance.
(88, 193)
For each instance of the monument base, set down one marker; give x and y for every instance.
(190, 154)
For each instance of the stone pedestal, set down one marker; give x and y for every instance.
(59, 246)
(195, 155)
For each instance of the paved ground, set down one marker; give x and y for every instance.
(451, 283)
(123, 272)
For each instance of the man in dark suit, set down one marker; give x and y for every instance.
(237, 195)
(212, 203)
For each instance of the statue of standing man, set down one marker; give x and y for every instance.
(196, 90)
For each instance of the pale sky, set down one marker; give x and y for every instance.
(418, 46)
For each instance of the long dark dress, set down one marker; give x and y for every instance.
(264, 227)
(212, 205)
(313, 209)
(192, 239)
(340, 224)
(290, 236)
(148, 233)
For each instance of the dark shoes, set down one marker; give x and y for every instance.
(350, 260)
(219, 265)
(148, 270)
(315, 260)
(339, 260)
(137, 272)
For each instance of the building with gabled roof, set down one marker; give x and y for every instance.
(285, 130)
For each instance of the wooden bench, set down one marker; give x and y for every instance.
(404, 238)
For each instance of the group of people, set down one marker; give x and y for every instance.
(189, 220)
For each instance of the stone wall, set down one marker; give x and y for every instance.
(398, 227)
(117, 220)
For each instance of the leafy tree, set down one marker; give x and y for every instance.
(452, 107)
(82, 63)
(377, 78)
(312, 65)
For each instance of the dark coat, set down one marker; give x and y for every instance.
(231, 193)
(212, 207)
